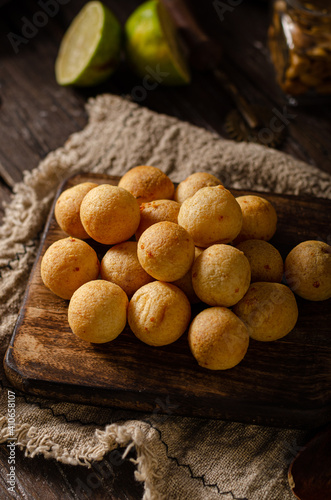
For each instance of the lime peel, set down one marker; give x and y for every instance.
(152, 46)
(91, 48)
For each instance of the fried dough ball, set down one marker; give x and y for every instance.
(67, 264)
(308, 270)
(193, 183)
(265, 260)
(147, 183)
(121, 266)
(212, 215)
(157, 211)
(159, 313)
(221, 275)
(218, 339)
(109, 214)
(259, 219)
(97, 311)
(166, 251)
(67, 209)
(269, 310)
(185, 283)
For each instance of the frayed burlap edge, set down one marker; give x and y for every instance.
(125, 436)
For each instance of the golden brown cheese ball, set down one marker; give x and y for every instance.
(121, 266)
(109, 214)
(218, 339)
(67, 264)
(265, 260)
(221, 275)
(269, 310)
(185, 283)
(157, 211)
(308, 270)
(159, 313)
(259, 219)
(147, 183)
(67, 209)
(212, 215)
(97, 311)
(166, 251)
(193, 183)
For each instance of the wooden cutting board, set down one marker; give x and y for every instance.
(284, 383)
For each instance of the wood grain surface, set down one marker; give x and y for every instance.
(286, 382)
(40, 479)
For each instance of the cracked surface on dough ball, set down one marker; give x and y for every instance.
(159, 313)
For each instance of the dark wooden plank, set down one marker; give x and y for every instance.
(5, 194)
(110, 479)
(286, 382)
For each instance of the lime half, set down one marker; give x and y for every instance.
(152, 46)
(90, 49)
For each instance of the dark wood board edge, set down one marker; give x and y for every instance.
(296, 419)
(200, 408)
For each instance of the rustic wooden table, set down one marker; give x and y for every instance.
(37, 116)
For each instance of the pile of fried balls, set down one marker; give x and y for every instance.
(171, 248)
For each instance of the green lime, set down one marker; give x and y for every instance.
(91, 47)
(152, 46)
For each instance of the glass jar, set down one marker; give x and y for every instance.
(300, 46)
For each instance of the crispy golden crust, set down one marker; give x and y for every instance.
(193, 183)
(269, 310)
(221, 275)
(159, 313)
(121, 266)
(166, 251)
(218, 339)
(67, 264)
(147, 183)
(109, 214)
(265, 260)
(308, 270)
(259, 219)
(211, 216)
(97, 311)
(67, 209)
(157, 211)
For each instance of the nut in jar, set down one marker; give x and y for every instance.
(300, 46)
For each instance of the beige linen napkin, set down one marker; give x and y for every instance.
(177, 458)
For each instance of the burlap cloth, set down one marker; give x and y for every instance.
(177, 457)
